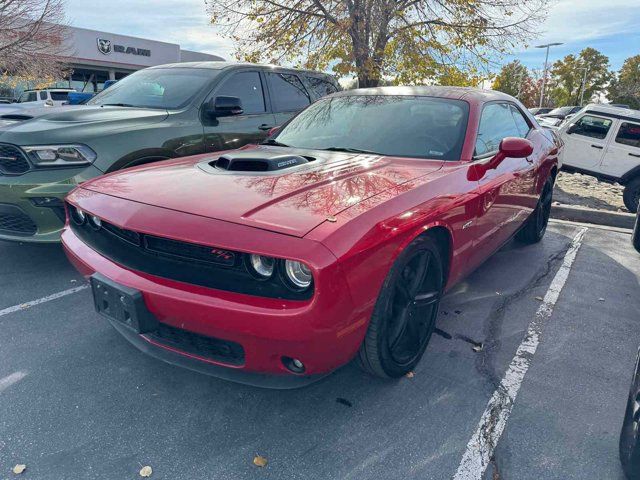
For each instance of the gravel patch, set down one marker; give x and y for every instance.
(586, 191)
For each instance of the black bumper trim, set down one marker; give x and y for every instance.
(279, 382)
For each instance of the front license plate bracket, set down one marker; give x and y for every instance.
(122, 304)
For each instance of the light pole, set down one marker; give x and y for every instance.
(546, 65)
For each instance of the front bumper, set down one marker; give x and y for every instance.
(324, 332)
(17, 194)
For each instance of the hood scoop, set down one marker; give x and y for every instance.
(16, 117)
(258, 161)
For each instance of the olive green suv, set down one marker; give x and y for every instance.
(154, 114)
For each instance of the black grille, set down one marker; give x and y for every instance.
(12, 160)
(182, 261)
(14, 221)
(200, 345)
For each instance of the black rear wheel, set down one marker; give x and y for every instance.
(630, 434)
(536, 225)
(405, 313)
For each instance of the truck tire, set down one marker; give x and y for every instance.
(631, 195)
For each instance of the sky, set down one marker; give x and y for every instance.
(610, 26)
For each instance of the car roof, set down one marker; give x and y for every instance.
(55, 89)
(222, 65)
(432, 91)
(616, 111)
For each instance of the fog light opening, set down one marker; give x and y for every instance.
(95, 222)
(293, 365)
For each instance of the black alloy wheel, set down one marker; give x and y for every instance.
(630, 434)
(405, 313)
(536, 225)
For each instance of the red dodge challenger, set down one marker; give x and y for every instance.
(275, 264)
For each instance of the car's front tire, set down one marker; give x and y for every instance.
(536, 225)
(405, 313)
(630, 434)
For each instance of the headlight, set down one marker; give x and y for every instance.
(262, 266)
(77, 215)
(298, 273)
(51, 155)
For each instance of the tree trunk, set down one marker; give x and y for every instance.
(366, 81)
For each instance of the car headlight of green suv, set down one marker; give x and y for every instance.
(60, 155)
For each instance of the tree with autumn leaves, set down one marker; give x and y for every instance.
(410, 41)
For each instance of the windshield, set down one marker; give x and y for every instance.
(561, 111)
(166, 88)
(404, 126)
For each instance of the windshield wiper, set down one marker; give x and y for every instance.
(350, 150)
(271, 141)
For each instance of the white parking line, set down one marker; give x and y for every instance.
(484, 440)
(48, 298)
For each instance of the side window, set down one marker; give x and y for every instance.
(321, 87)
(43, 95)
(590, 126)
(521, 123)
(629, 134)
(496, 123)
(248, 88)
(28, 97)
(288, 92)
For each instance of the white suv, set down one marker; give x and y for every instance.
(48, 96)
(604, 142)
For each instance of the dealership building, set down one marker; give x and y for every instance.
(96, 56)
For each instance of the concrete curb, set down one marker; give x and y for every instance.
(591, 215)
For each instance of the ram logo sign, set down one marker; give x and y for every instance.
(104, 46)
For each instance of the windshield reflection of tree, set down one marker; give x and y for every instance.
(390, 125)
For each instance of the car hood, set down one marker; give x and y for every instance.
(67, 118)
(291, 201)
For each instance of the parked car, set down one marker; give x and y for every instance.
(630, 434)
(276, 264)
(604, 142)
(153, 114)
(47, 96)
(539, 110)
(556, 116)
(80, 98)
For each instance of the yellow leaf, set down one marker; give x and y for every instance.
(146, 471)
(18, 469)
(259, 461)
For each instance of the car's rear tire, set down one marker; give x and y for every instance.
(635, 237)
(631, 195)
(536, 225)
(630, 434)
(406, 310)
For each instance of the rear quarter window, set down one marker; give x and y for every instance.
(629, 134)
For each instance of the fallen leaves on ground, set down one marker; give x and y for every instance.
(540, 299)
(259, 461)
(601, 299)
(410, 375)
(146, 471)
(478, 348)
(18, 469)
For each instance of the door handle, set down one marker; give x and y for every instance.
(265, 127)
(634, 154)
(597, 146)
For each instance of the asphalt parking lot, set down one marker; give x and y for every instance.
(77, 401)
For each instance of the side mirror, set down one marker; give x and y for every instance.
(272, 131)
(572, 128)
(511, 147)
(223, 106)
(48, 103)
